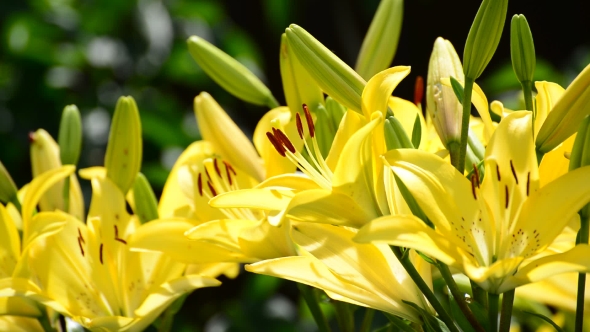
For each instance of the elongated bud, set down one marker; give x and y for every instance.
(336, 111)
(522, 49)
(70, 135)
(145, 203)
(298, 85)
(441, 102)
(226, 137)
(234, 77)
(567, 113)
(334, 76)
(380, 43)
(325, 130)
(395, 135)
(44, 152)
(580, 155)
(484, 37)
(124, 150)
(8, 190)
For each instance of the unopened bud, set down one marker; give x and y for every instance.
(395, 135)
(124, 150)
(522, 49)
(8, 190)
(336, 111)
(70, 135)
(145, 204)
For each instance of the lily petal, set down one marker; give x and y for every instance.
(10, 248)
(379, 88)
(264, 199)
(548, 93)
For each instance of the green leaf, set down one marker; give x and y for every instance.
(431, 323)
(547, 319)
(414, 207)
(416, 132)
(457, 88)
(458, 315)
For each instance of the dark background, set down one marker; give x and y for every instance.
(54, 53)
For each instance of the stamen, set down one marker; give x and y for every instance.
(216, 167)
(207, 172)
(200, 183)
(498, 172)
(117, 236)
(299, 125)
(476, 173)
(473, 179)
(212, 189)
(528, 183)
(513, 171)
(100, 253)
(80, 235)
(80, 241)
(281, 137)
(507, 196)
(309, 121)
(228, 174)
(418, 90)
(228, 165)
(273, 140)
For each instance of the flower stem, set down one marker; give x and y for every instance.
(417, 278)
(493, 301)
(467, 91)
(459, 296)
(507, 303)
(479, 294)
(527, 90)
(367, 320)
(344, 316)
(66, 194)
(312, 302)
(583, 238)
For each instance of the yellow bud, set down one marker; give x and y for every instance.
(234, 77)
(70, 135)
(441, 102)
(8, 190)
(567, 113)
(124, 150)
(334, 76)
(484, 37)
(380, 43)
(298, 85)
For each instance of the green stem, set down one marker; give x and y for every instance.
(493, 301)
(344, 316)
(467, 91)
(459, 296)
(399, 323)
(479, 295)
(583, 238)
(527, 90)
(417, 278)
(367, 320)
(66, 194)
(454, 148)
(312, 303)
(506, 315)
(44, 320)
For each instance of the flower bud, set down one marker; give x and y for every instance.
(145, 204)
(522, 49)
(70, 135)
(567, 113)
(324, 130)
(335, 111)
(395, 135)
(233, 76)
(381, 41)
(334, 76)
(8, 190)
(580, 155)
(484, 37)
(298, 86)
(124, 150)
(441, 102)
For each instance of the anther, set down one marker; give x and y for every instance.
(212, 189)
(80, 235)
(299, 125)
(216, 167)
(117, 236)
(207, 172)
(309, 121)
(473, 179)
(273, 140)
(281, 137)
(476, 173)
(507, 196)
(100, 253)
(228, 173)
(498, 172)
(80, 241)
(200, 184)
(528, 183)
(229, 166)
(513, 171)
(418, 90)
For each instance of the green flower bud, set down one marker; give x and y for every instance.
(484, 37)
(324, 130)
(567, 114)
(522, 49)
(381, 41)
(441, 103)
(334, 76)
(234, 77)
(336, 111)
(580, 155)
(145, 204)
(124, 150)
(298, 86)
(70, 135)
(395, 135)
(8, 189)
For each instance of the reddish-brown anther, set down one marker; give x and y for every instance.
(309, 121)
(212, 189)
(200, 184)
(418, 90)
(100, 253)
(299, 125)
(281, 137)
(216, 167)
(279, 147)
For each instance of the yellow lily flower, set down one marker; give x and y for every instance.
(368, 275)
(100, 283)
(495, 232)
